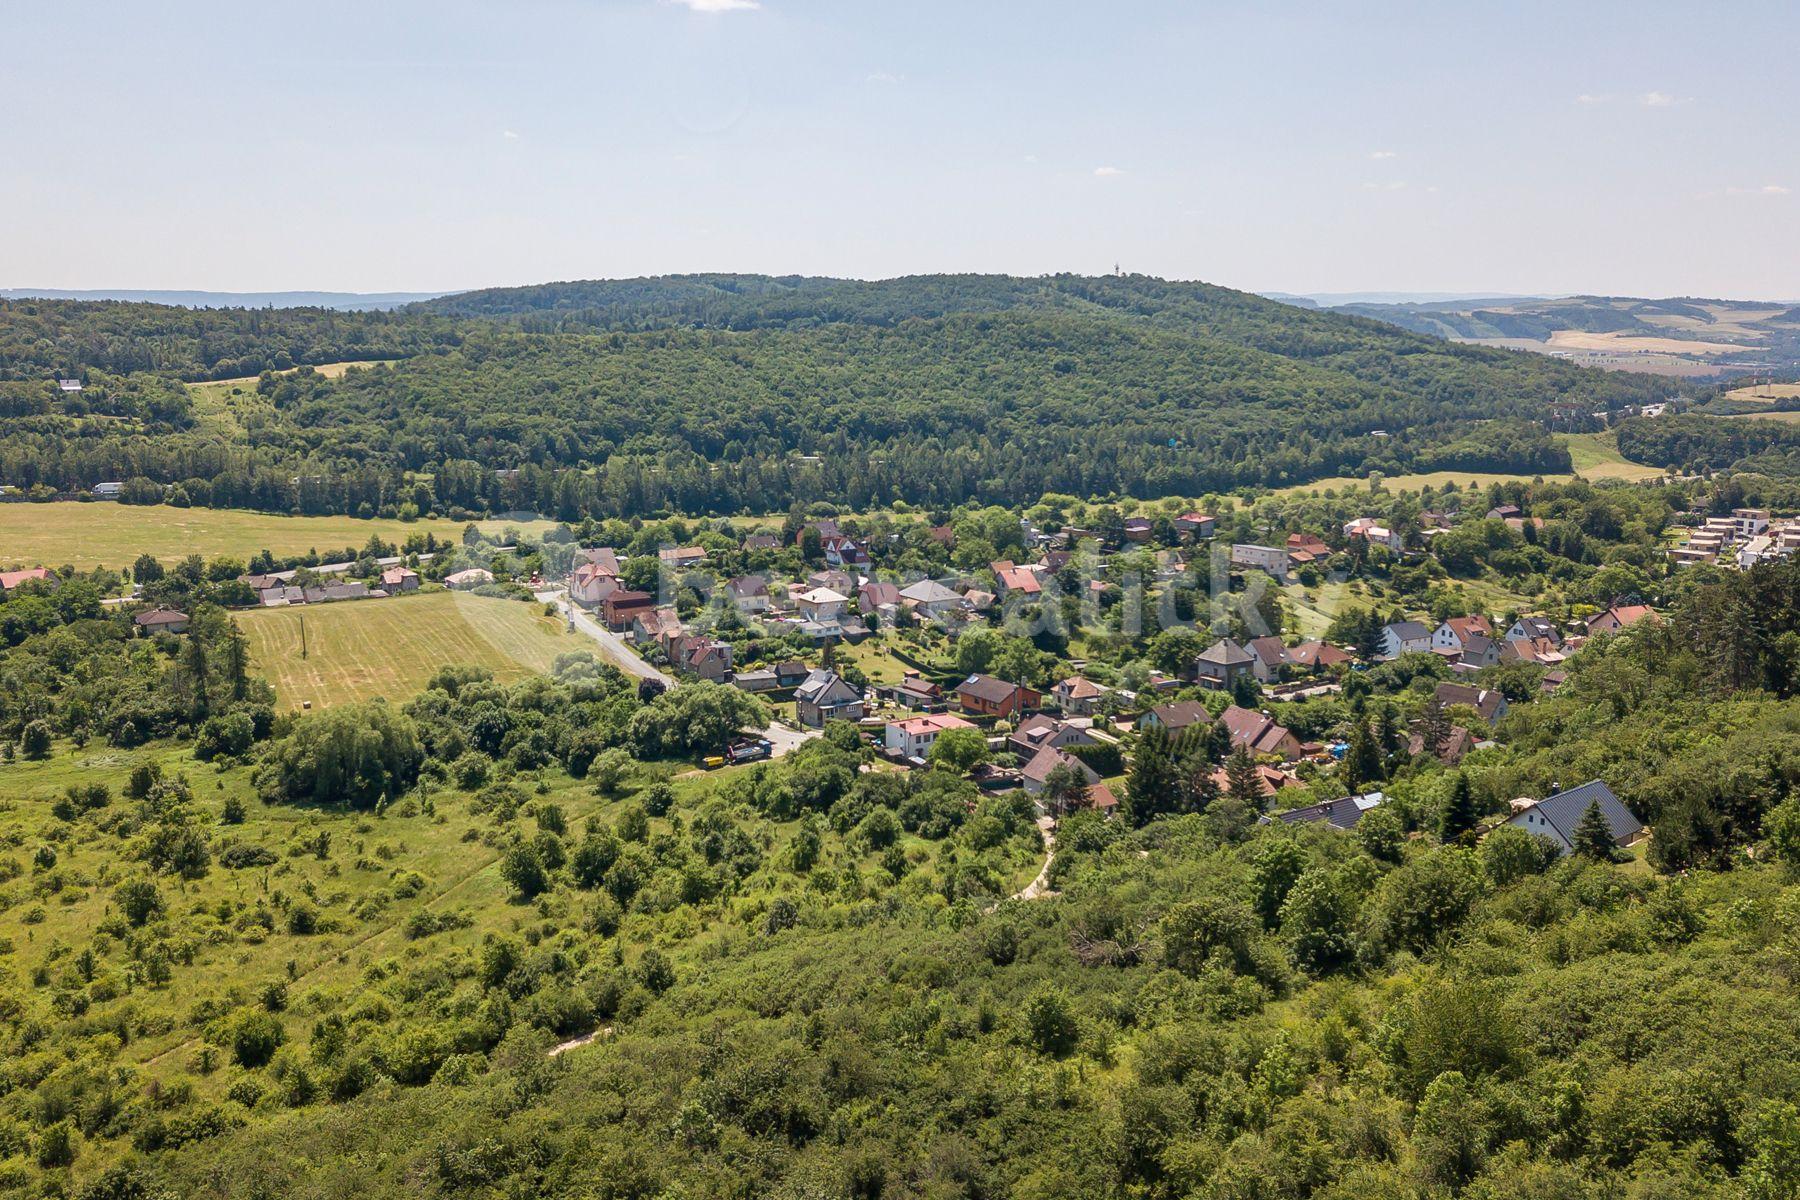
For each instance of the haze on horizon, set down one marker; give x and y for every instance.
(1638, 149)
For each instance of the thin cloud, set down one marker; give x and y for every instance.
(1767, 189)
(884, 77)
(509, 135)
(1108, 172)
(1592, 98)
(717, 6)
(1662, 100)
(1382, 155)
(1392, 185)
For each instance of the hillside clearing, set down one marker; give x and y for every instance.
(358, 650)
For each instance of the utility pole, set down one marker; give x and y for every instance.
(302, 635)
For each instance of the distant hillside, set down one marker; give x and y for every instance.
(1685, 336)
(729, 393)
(342, 301)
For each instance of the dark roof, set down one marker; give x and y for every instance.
(1181, 714)
(986, 687)
(1565, 809)
(1339, 814)
(1408, 630)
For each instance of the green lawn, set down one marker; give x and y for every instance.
(88, 535)
(360, 649)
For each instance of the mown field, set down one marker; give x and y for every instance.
(358, 650)
(107, 534)
(1595, 455)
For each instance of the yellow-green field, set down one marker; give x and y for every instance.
(106, 533)
(1595, 456)
(1790, 416)
(1765, 393)
(359, 649)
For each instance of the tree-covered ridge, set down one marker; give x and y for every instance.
(717, 394)
(42, 339)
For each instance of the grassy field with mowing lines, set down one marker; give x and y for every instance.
(1596, 456)
(360, 649)
(106, 533)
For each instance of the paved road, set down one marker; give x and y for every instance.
(612, 646)
(782, 738)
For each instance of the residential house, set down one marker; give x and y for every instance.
(1271, 560)
(10, 580)
(1259, 733)
(978, 600)
(879, 599)
(824, 696)
(842, 551)
(399, 579)
(1534, 628)
(356, 590)
(1139, 529)
(1318, 656)
(1749, 522)
(762, 541)
(1556, 817)
(1375, 533)
(1458, 743)
(986, 696)
(604, 557)
(915, 736)
(791, 673)
(473, 577)
(929, 598)
(704, 658)
(749, 593)
(1404, 637)
(590, 583)
(822, 605)
(1078, 697)
(1036, 732)
(1477, 653)
(681, 557)
(1454, 633)
(1034, 776)
(1223, 663)
(1268, 655)
(1016, 581)
(1195, 525)
(1304, 549)
(1175, 718)
(1501, 512)
(1269, 780)
(1541, 651)
(1619, 616)
(161, 620)
(839, 581)
(655, 626)
(915, 691)
(1489, 702)
(1342, 813)
(622, 605)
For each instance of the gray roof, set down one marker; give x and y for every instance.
(1342, 813)
(826, 689)
(1226, 653)
(1408, 630)
(1565, 810)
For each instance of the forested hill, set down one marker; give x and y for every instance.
(720, 393)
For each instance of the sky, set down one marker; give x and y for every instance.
(1645, 148)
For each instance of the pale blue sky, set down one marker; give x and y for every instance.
(1646, 148)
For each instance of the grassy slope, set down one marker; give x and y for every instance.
(112, 535)
(362, 649)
